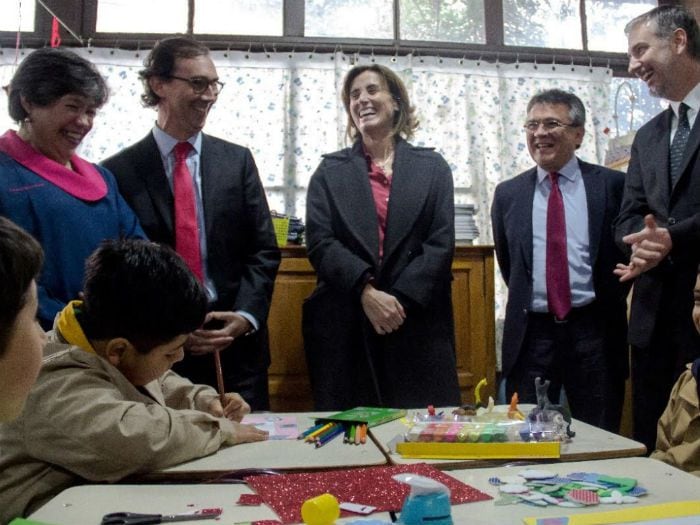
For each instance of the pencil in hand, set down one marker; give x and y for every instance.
(220, 379)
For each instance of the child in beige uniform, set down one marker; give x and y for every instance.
(106, 405)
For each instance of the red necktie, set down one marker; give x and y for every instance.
(558, 289)
(186, 232)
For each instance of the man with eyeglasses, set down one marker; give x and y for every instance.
(203, 196)
(552, 226)
(659, 222)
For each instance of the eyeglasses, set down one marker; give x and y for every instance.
(549, 124)
(200, 84)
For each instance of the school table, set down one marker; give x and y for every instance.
(589, 443)
(664, 483)
(280, 455)
(86, 504)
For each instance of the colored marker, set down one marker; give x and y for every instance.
(353, 430)
(358, 434)
(363, 436)
(310, 430)
(335, 432)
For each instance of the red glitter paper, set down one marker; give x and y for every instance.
(252, 500)
(366, 486)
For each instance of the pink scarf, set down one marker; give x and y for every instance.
(85, 183)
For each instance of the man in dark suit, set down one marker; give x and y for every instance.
(203, 196)
(659, 222)
(552, 226)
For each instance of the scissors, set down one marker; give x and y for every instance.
(133, 518)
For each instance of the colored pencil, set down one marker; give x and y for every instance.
(310, 430)
(315, 433)
(336, 432)
(324, 433)
(220, 379)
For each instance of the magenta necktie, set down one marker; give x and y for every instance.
(186, 231)
(558, 289)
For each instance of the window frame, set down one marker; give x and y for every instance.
(81, 16)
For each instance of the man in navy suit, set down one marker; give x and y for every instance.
(659, 222)
(581, 347)
(234, 252)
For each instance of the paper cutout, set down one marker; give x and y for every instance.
(278, 427)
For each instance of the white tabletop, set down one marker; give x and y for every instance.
(664, 483)
(278, 455)
(589, 443)
(86, 504)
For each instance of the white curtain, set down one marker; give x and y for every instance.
(286, 107)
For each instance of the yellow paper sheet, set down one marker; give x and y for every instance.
(629, 513)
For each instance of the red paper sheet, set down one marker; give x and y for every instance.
(368, 486)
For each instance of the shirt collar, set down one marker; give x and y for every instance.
(569, 171)
(166, 142)
(692, 100)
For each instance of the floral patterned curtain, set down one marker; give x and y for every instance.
(286, 107)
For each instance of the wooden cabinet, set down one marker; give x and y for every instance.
(473, 302)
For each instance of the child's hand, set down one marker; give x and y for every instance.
(235, 408)
(240, 433)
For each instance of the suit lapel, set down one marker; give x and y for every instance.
(661, 168)
(524, 217)
(410, 186)
(156, 182)
(690, 148)
(209, 157)
(355, 204)
(595, 201)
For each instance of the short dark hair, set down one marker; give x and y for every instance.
(666, 19)
(141, 291)
(48, 74)
(577, 112)
(160, 62)
(21, 258)
(405, 121)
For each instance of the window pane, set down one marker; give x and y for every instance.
(14, 18)
(632, 106)
(238, 17)
(138, 16)
(542, 23)
(606, 20)
(443, 20)
(349, 18)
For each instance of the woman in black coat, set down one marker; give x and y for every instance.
(378, 328)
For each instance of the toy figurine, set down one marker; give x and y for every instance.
(468, 409)
(540, 413)
(513, 410)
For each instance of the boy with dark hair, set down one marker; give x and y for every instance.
(678, 430)
(106, 404)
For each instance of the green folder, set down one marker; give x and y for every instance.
(371, 416)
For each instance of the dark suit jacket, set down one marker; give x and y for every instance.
(511, 217)
(647, 190)
(415, 365)
(242, 256)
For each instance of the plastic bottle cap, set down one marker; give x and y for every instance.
(321, 510)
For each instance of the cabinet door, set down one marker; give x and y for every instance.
(473, 305)
(288, 376)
